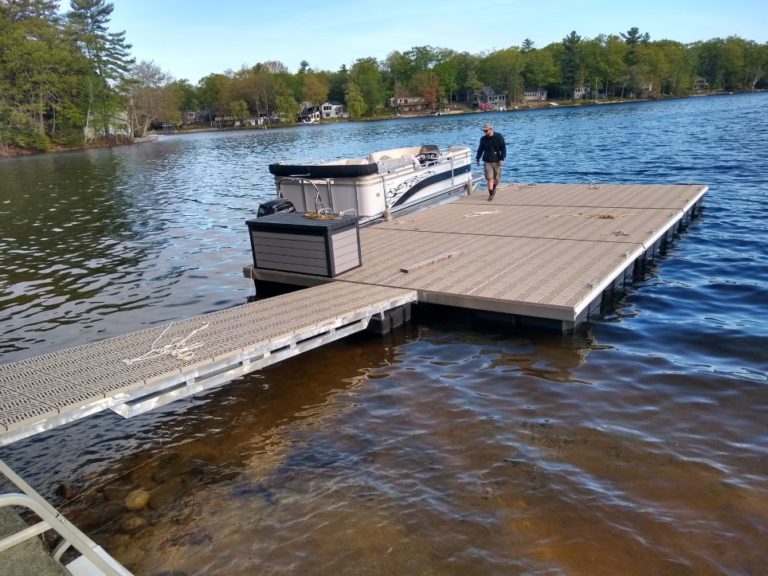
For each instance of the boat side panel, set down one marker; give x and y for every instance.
(395, 187)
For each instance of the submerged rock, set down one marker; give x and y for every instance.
(137, 499)
(132, 523)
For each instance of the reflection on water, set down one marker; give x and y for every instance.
(639, 447)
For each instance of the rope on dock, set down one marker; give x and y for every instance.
(178, 348)
(477, 213)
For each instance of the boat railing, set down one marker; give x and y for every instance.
(319, 204)
(93, 559)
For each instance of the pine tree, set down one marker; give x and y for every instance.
(108, 54)
(17, 10)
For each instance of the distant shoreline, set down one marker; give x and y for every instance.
(14, 152)
(544, 105)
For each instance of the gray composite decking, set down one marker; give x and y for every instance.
(545, 252)
(539, 252)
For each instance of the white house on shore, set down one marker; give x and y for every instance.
(119, 125)
(333, 109)
(534, 95)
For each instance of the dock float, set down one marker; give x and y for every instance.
(147, 369)
(538, 256)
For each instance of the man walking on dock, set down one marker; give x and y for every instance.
(493, 151)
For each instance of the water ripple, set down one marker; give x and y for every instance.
(636, 448)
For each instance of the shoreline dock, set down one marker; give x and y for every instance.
(539, 256)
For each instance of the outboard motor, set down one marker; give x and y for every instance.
(276, 207)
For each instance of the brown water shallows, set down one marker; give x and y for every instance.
(447, 453)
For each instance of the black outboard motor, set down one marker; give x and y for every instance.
(275, 207)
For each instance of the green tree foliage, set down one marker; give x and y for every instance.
(731, 64)
(365, 75)
(239, 109)
(109, 57)
(503, 70)
(314, 88)
(398, 70)
(356, 106)
(285, 103)
(63, 76)
(527, 45)
(755, 63)
(467, 82)
(18, 10)
(38, 77)
(209, 93)
(337, 83)
(613, 55)
(151, 96)
(539, 68)
(633, 38)
(572, 72)
(447, 71)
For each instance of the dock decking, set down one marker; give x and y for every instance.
(181, 358)
(542, 254)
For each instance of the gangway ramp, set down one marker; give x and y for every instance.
(137, 372)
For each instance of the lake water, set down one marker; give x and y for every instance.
(639, 446)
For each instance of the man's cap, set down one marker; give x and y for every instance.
(487, 127)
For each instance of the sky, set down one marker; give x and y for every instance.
(190, 39)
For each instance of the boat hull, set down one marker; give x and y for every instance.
(402, 181)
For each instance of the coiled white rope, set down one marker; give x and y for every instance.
(477, 213)
(178, 348)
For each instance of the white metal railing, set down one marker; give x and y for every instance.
(93, 559)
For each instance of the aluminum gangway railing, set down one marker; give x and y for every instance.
(93, 560)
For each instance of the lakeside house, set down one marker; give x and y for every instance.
(580, 92)
(119, 125)
(333, 109)
(196, 117)
(234, 122)
(408, 104)
(534, 95)
(310, 114)
(700, 84)
(488, 99)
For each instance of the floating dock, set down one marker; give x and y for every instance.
(543, 255)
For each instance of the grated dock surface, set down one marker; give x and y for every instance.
(199, 353)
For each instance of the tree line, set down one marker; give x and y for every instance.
(67, 80)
